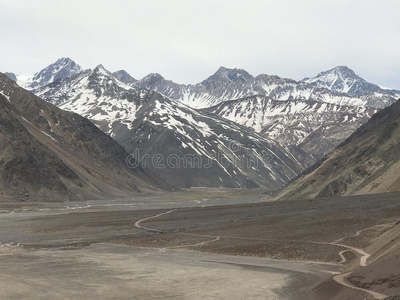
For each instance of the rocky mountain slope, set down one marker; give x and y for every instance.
(145, 121)
(367, 162)
(48, 154)
(206, 150)
(315, 115)
(316, 127)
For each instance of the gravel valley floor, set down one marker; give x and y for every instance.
(183, 246)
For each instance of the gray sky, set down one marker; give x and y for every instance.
(187, 40)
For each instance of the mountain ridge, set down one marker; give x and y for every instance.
(54, 155)
(367, 162)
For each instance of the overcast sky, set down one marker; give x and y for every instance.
(187, 40)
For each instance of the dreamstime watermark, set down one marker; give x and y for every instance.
(234, 154)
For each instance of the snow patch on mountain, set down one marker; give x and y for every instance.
(292, 122)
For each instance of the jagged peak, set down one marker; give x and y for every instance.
(60, 69)
(276, 78)
(335, 74)
(101, 69)
(344, 80)
(124, 76)
(58, 65)
(64, 59)
(230, 74)
(340, 69)
(153, 77)
(122, 72)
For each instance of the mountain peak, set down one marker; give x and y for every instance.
(342, 79)
(152, 78)
(103, 78)
(235, 75)
(101, 68)
(12, 76)
(124, 77)
(64, 60)
(343, 70)
(222, 69)
(61, 69)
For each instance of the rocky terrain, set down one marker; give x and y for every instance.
(366, 163)
(207, 150)
(48, 154)
(313, 126)
(393, 298)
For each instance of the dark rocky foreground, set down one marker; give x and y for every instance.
(47, 154)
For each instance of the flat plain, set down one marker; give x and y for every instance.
(189, 245)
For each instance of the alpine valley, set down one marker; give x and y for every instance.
(280, 125)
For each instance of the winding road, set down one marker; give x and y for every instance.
(340, 279)
(137, 224)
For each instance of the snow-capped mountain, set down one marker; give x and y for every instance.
(146, 121)
(300, 113)
(316, 127)
(225, 84)
(308, 114)
(207, 150)
(344, 80)
(62, 68)
(230, 84)
(97, 95)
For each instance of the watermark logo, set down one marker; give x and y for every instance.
(233, 154)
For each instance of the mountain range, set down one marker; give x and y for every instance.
(298, 121)
(231, 84)
(315, 114)
(148, 122)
